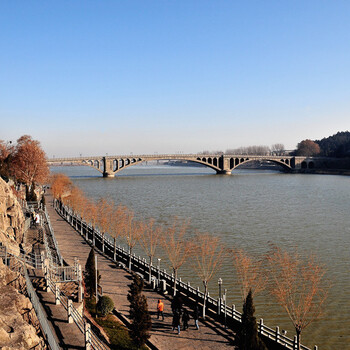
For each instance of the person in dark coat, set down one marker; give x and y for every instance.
(185, 319)
(176, 304)
(196, 315)
(176, 321)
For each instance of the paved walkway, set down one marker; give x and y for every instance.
(115, 283)
(68, 335)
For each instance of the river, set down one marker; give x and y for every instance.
(250, 210)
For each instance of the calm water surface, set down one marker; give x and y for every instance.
(249, 210)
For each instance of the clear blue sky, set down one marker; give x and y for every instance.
(96, 77)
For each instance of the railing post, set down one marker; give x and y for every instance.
(80, 286)
(57, 295)
(69, 311)
(115, 250)
(46, 272)
(295, 343)
(261, 325)
(277, 335)
(225, 310)
(233, 310)
(87, 337)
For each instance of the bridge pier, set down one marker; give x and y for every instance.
(107, 174)
(223, 172)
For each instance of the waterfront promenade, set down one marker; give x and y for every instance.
(115, 283)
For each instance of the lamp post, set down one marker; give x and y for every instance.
(96, 277)
(219, 300)
(159, 259)
(225, 291)
(220, 285)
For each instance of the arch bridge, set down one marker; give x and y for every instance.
(221, 163)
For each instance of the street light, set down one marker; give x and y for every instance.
(159, 259)
(220, 285)
(225, 291)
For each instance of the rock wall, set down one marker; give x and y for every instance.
(11, 218)
(17, 315)
(15, 312)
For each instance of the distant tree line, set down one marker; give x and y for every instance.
(337, 145)
(260, 150)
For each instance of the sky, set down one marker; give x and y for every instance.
(119, 77)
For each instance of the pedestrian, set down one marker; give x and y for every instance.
(185, 319)
(37, 219)
(176, 304)
(160, 309)
(176, 321)
(196, 315)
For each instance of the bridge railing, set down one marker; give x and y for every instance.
(223, 313)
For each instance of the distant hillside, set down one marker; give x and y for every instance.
(337, 145)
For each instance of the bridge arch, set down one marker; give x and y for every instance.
(284, 163)
(95, 164)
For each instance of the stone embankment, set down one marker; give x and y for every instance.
(18, 322)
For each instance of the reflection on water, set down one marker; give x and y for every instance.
(250, 210)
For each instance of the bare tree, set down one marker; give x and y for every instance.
(91, 217)
(208, 255)
(60, 185)
(176, 246)
(117, 224)
(104, 212)
(131, 233)
(149, 241)
(250, 150)
(299, 285)
(278, 149)
(248, 272)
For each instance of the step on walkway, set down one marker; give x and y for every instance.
(68, 334)
(115, 283)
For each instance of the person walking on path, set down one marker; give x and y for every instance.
(37, 219)
(176, 321)
(160, 309)
(185, 319)
(196, 315)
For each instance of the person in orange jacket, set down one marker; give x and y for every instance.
(160, 309)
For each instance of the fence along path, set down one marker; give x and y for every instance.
(115, 283)
(226, 315)
(64, 327)
(56, 274)
(220, 311)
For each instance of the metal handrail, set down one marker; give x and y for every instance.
(39, 310)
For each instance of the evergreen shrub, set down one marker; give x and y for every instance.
(105, 305)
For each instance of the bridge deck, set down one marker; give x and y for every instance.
(115, 283)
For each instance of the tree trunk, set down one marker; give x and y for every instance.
(205, 297)
(175, 278)
(298, 330)
(130, 249)
(150, 270)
